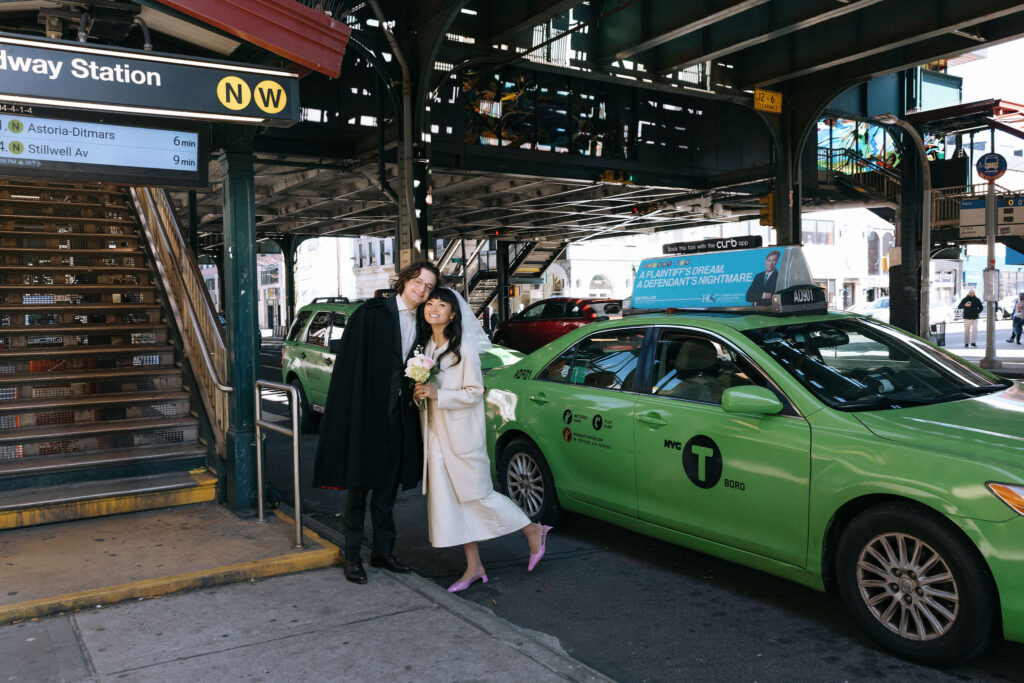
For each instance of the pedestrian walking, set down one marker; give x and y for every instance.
(972, 307)
(370, 440)
(1017, 318)
(462, 506)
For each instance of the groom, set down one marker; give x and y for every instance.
(370, 438)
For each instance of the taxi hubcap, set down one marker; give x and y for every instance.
(907, 586)
(525, 483)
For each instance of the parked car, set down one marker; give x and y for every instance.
(824, 448)
(308, 352)
(1006, 306)
(549, 319)
(879, 310)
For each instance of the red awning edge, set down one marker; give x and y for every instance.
(285, 27)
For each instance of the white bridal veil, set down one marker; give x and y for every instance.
(473, 336)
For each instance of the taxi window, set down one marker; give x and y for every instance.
(693, 367)
(319, 328)
(606, 360)
(297, 325)
(338, 322)
(558, 369)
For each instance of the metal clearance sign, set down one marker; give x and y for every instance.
(57, 73)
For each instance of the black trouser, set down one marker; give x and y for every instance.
(382, 517)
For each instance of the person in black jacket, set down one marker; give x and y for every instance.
(370, 440)
(972, 308)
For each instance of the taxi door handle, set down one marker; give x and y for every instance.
(302, 354)
(652, 419)
(328, 362)
(540, 398)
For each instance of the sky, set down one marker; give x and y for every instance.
(996, 76)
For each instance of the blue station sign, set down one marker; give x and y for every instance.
(83, 76)
(770, 278)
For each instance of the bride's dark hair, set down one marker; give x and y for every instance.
(453, 330)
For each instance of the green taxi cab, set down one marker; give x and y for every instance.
(826, 448)
(308, 353)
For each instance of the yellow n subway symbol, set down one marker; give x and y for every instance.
(234, 93)
(270, 96)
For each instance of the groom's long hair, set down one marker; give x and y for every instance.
(453, 330)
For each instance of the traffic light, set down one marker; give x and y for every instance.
(767, 208)
(644, 209)
(512, 291)
(621, 177)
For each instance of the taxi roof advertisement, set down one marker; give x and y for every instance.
(84, 76)
(722, 279)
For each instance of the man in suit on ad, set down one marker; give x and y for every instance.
(763, 286)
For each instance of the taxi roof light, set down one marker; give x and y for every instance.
(1011, 494)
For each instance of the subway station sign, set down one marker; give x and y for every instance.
(55, 73)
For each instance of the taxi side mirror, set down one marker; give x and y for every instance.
(751, 399)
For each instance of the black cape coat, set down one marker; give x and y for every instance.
(370, 429)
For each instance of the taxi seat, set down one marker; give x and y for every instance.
(695, 365)
(604, 379)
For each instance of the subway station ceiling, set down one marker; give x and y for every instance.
(552, 117)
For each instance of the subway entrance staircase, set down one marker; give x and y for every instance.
(96, 414)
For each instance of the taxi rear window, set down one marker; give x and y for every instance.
(606, 360)
(300, 322)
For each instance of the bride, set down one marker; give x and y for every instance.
(462, 505)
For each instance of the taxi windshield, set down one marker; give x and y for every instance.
(857, 364)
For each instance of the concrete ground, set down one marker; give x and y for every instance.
(121, 599)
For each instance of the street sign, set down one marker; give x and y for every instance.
(1009, 217)
(768, 100)
(991, 166)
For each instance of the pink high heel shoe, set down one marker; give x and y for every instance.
(535, 557)
(459, 586)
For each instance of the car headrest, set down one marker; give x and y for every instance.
(695, 354)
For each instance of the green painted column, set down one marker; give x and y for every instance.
(241, 281)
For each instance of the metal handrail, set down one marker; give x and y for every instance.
(294, 433)
(193, 316)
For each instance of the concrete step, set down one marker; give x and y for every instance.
(138, 427)
(89, 401)
(132, 374)
(83, 350)
(44, 505)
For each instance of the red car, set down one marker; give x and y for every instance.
(549, 319)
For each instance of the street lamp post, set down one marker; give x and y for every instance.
(926, 214)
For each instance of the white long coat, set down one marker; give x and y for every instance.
(459, 420)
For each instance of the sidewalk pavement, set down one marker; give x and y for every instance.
(310, 626)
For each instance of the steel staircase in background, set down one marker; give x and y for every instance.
(95, 413)
(479, 270)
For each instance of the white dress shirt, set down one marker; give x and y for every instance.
(407, 321)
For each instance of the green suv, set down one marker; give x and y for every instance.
(307, 354)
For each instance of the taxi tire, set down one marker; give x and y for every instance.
(975, 625)
(550, 512)
(309, 421)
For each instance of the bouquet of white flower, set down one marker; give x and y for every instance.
(420, 369)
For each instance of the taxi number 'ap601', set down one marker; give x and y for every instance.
(826, 448)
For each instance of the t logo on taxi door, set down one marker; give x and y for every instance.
(702, 461)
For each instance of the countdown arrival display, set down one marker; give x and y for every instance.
(53, 147)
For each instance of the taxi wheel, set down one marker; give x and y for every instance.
(525, 478)
(308, 420)
(916, 585)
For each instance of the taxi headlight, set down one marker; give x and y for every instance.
(1011, 494)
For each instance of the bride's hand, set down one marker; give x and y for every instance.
(423, 391)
